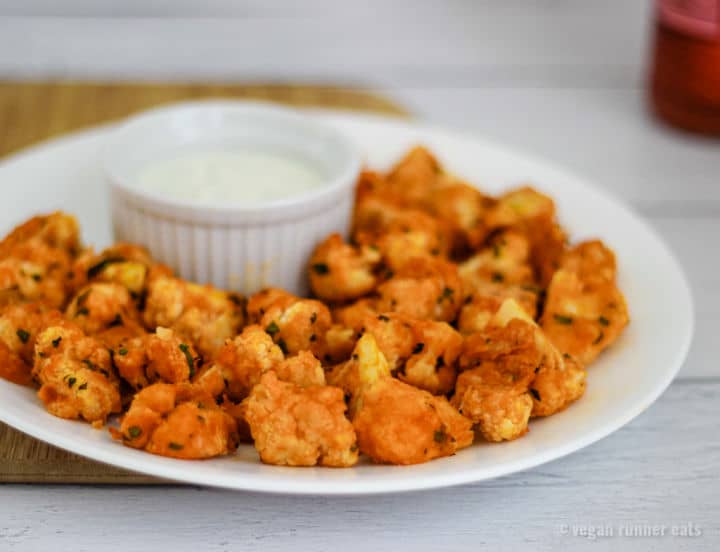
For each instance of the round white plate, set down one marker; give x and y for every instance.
(64, 174)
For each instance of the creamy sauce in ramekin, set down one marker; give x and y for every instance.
(243, 176)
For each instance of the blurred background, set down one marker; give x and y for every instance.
(563, 78)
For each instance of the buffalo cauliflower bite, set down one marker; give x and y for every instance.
(75, 374)
(421, 352)
(340, 272)
(244, 359)
(34, 271)
(585, 312)
(511, 372)
(158, 357)
(303, 369)
(204, 315)
(485, 301)
(397, 423)
(516, 207)
(179, 421)
(415, 176)
(57, 230)
(463, 208)
(505, 261)
(19, 327)
(100, 306)
(294, 324)
(35, 259)
(123, 263)
(296, 426)
(397, 248)
(425, 287)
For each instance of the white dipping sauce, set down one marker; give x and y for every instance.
(237, 176)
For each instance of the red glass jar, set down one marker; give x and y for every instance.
(685, 75)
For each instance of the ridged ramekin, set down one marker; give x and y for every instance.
(237, 247)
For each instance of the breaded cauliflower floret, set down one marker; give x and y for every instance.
(340, 272)
(122, 263)
(75, 374)
(34, 271)
(415, 176)
(204, 315)
(397, 423)
(463, 208)
(99, 306)
(501, 411)
(585, 312)
(399, 247)
(295, 324)
(244, 359)
(179, 421)
(516, 207)
(35, 259)
(57, 230)
(421, 352)
(158, 357)
(505, 261)
(303, 369)
(485, 301)
(295, 426)
(425, 287)
(510, 372)
(19, 327)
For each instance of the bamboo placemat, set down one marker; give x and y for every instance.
(31, 112)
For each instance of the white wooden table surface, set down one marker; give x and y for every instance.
(561, 78)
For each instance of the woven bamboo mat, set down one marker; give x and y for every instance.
(31, 112)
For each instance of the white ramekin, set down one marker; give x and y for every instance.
(237, 247)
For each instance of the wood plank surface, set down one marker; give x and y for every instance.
(30, 112)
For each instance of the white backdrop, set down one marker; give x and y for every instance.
(388, 44)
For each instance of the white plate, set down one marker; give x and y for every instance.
(64, 174)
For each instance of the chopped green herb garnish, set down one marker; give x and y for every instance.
(321, 268)
(82, 311)
(447, 293)
(99, 267)
(23, 335)
(89, 364)
(122, 351)
(418, 348)
(272, 328)
(383, 318)
(188, 357)
(56, 342)
(175, 446)
(561, 319)
(604, 321)
(496, 250)
(37, 277)
(440, 436)
(134, 432)
(71, 381)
